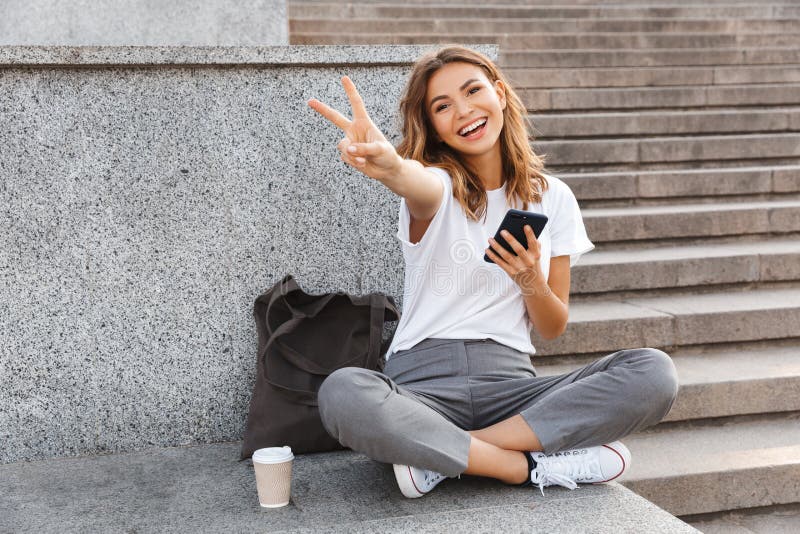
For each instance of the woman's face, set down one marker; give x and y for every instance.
(459, 95)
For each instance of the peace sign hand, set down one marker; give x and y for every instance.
(364, 146)
(524, 268)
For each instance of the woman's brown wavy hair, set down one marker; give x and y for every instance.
(522, 168)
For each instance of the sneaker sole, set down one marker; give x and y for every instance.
(406, 482)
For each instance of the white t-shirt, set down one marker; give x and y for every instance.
(450, 292)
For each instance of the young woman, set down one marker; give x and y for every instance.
(458, 393)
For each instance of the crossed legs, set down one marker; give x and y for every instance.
(495, 451)
(596, 404)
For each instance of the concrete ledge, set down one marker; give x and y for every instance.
(209, 56)
(144, 208)
(144, 22)
(204, 489)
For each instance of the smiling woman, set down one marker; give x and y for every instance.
(449, 92)
(471, 401)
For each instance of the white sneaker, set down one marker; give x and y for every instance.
(415, 482)
(593, 465)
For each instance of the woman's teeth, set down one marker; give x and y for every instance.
(473, 130)
(472, 127)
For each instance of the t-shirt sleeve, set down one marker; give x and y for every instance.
(567, 233)
(416, 253)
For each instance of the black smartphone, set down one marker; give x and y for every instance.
(514, 222)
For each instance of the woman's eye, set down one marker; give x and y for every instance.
(468, 92)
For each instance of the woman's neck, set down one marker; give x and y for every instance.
(489, 167)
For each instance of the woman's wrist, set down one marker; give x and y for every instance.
(531, 281)
(540, 290)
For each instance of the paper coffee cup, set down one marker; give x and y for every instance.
(273, 467)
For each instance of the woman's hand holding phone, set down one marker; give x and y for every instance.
(524, 267)
(364, 146)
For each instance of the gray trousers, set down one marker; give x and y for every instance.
(418, 411)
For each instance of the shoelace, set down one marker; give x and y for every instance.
(565, 472)
(432, 477)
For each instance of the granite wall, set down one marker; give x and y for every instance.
(144, 22)
(147, 197)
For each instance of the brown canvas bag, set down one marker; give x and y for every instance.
(302, 339)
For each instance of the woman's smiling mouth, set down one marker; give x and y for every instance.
(474, 130)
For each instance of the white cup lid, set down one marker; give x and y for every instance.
(273, 455)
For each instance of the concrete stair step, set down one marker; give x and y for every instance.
(673, 184)
(534, 25)
(564, 168)
(649, 150)
(388, 38)
(551, 3)
(557, 41)
(544, 78)
(622, 41)
(775, 519)
(647, 58)
(677, 320)
(665, 122)
(726, 382)
(691, 468)
(635, 223)
(433, 11)
(205, 489)
(635, 269)
(688, 96)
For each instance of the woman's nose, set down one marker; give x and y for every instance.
(463, 108)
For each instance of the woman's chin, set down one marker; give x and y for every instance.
(476, 148)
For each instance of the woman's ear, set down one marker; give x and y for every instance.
(501, 93)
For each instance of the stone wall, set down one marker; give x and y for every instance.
(147, 197)
(144, 22)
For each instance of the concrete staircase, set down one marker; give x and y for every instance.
(677, 125)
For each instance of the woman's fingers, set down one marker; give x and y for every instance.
(533, 243)
(329, 113)
(499, 250)
(375, 158)
(352, 160)
(520, 251)
(500, 262)
(359, 110)
(511, 240)
(494, 257)
(366, 149)
(348, 149)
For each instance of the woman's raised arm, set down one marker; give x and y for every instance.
(365, 148)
